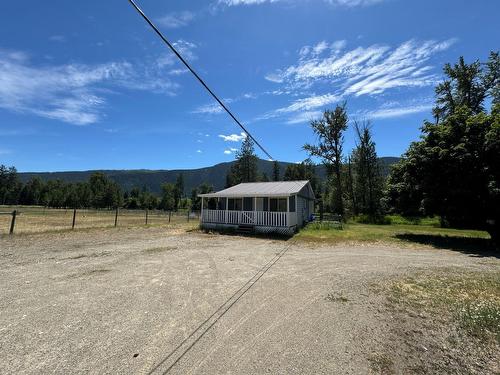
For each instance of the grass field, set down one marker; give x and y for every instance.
(39, 219)
(425, 232)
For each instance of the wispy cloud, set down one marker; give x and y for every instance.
(185, 48)
(343, 3)
(362, 71)
(233, 137)
(312, 102)
(72, 93)
(353, 3)
(245, 2)
(176, 19)
(4, 151)
(396, 111)
(209, 109)
(304, 117)
(230, 151)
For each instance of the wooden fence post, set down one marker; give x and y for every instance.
(74, 219)
(146, 216)
(13, 222)
(169, 215)
(116, 216)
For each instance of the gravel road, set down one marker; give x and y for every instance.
(148, 301)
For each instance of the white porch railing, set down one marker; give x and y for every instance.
(263, 218)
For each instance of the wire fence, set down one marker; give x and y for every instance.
(38, 219)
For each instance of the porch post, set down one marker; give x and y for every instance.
(226, 214)
(201, 214)
(287, 211)
(254, 210)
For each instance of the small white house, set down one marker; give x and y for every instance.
(262, 207)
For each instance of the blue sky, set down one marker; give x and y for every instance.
(87, 85)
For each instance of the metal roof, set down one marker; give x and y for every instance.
(261, 189)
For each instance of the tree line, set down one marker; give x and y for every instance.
(98, 192)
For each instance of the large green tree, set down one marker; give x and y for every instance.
(204, 188)
(368, 182)
(276, 171)
(453, 171)
(330, 133)
(244, 169)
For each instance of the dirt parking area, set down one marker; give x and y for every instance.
(152, 300)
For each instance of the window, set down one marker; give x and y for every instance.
(282, 205)
(260, 204)
(238, 203)
(273, 205)
(212, 203)
(292, 203)
(277, 204)
(247, 204)
(222, 204)
(234, 204)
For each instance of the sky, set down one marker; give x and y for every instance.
(88, 85)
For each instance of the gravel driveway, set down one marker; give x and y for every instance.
(141, 301)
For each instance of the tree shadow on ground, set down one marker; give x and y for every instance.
(481, 247)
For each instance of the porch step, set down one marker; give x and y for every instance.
(245, 228)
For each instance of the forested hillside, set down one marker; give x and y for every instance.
(153, 179)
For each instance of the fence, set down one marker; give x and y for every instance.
(39, 219)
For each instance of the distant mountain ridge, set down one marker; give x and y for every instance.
(152, 179)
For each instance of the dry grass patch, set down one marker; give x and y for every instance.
(471, 299)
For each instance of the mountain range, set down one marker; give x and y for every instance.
(152, 179)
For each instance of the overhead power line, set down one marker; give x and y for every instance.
(139, 10)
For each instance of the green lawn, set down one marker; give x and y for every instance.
(426, 232)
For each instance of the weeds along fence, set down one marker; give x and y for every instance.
(39, 219)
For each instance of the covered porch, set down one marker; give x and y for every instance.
(253, 211)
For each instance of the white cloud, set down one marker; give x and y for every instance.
(344, 3)
(185, 48)
(209, 109)
(353, 3)
(4, 151)
(70, 93)
(178, 72)
(233, 137)
(304, 117)
(199, 151)
(312, 102)
(227, 152)
(384, 113)
(176, 19)
(245, 2)
(274, 77)
(363, 70)
(230, 151)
